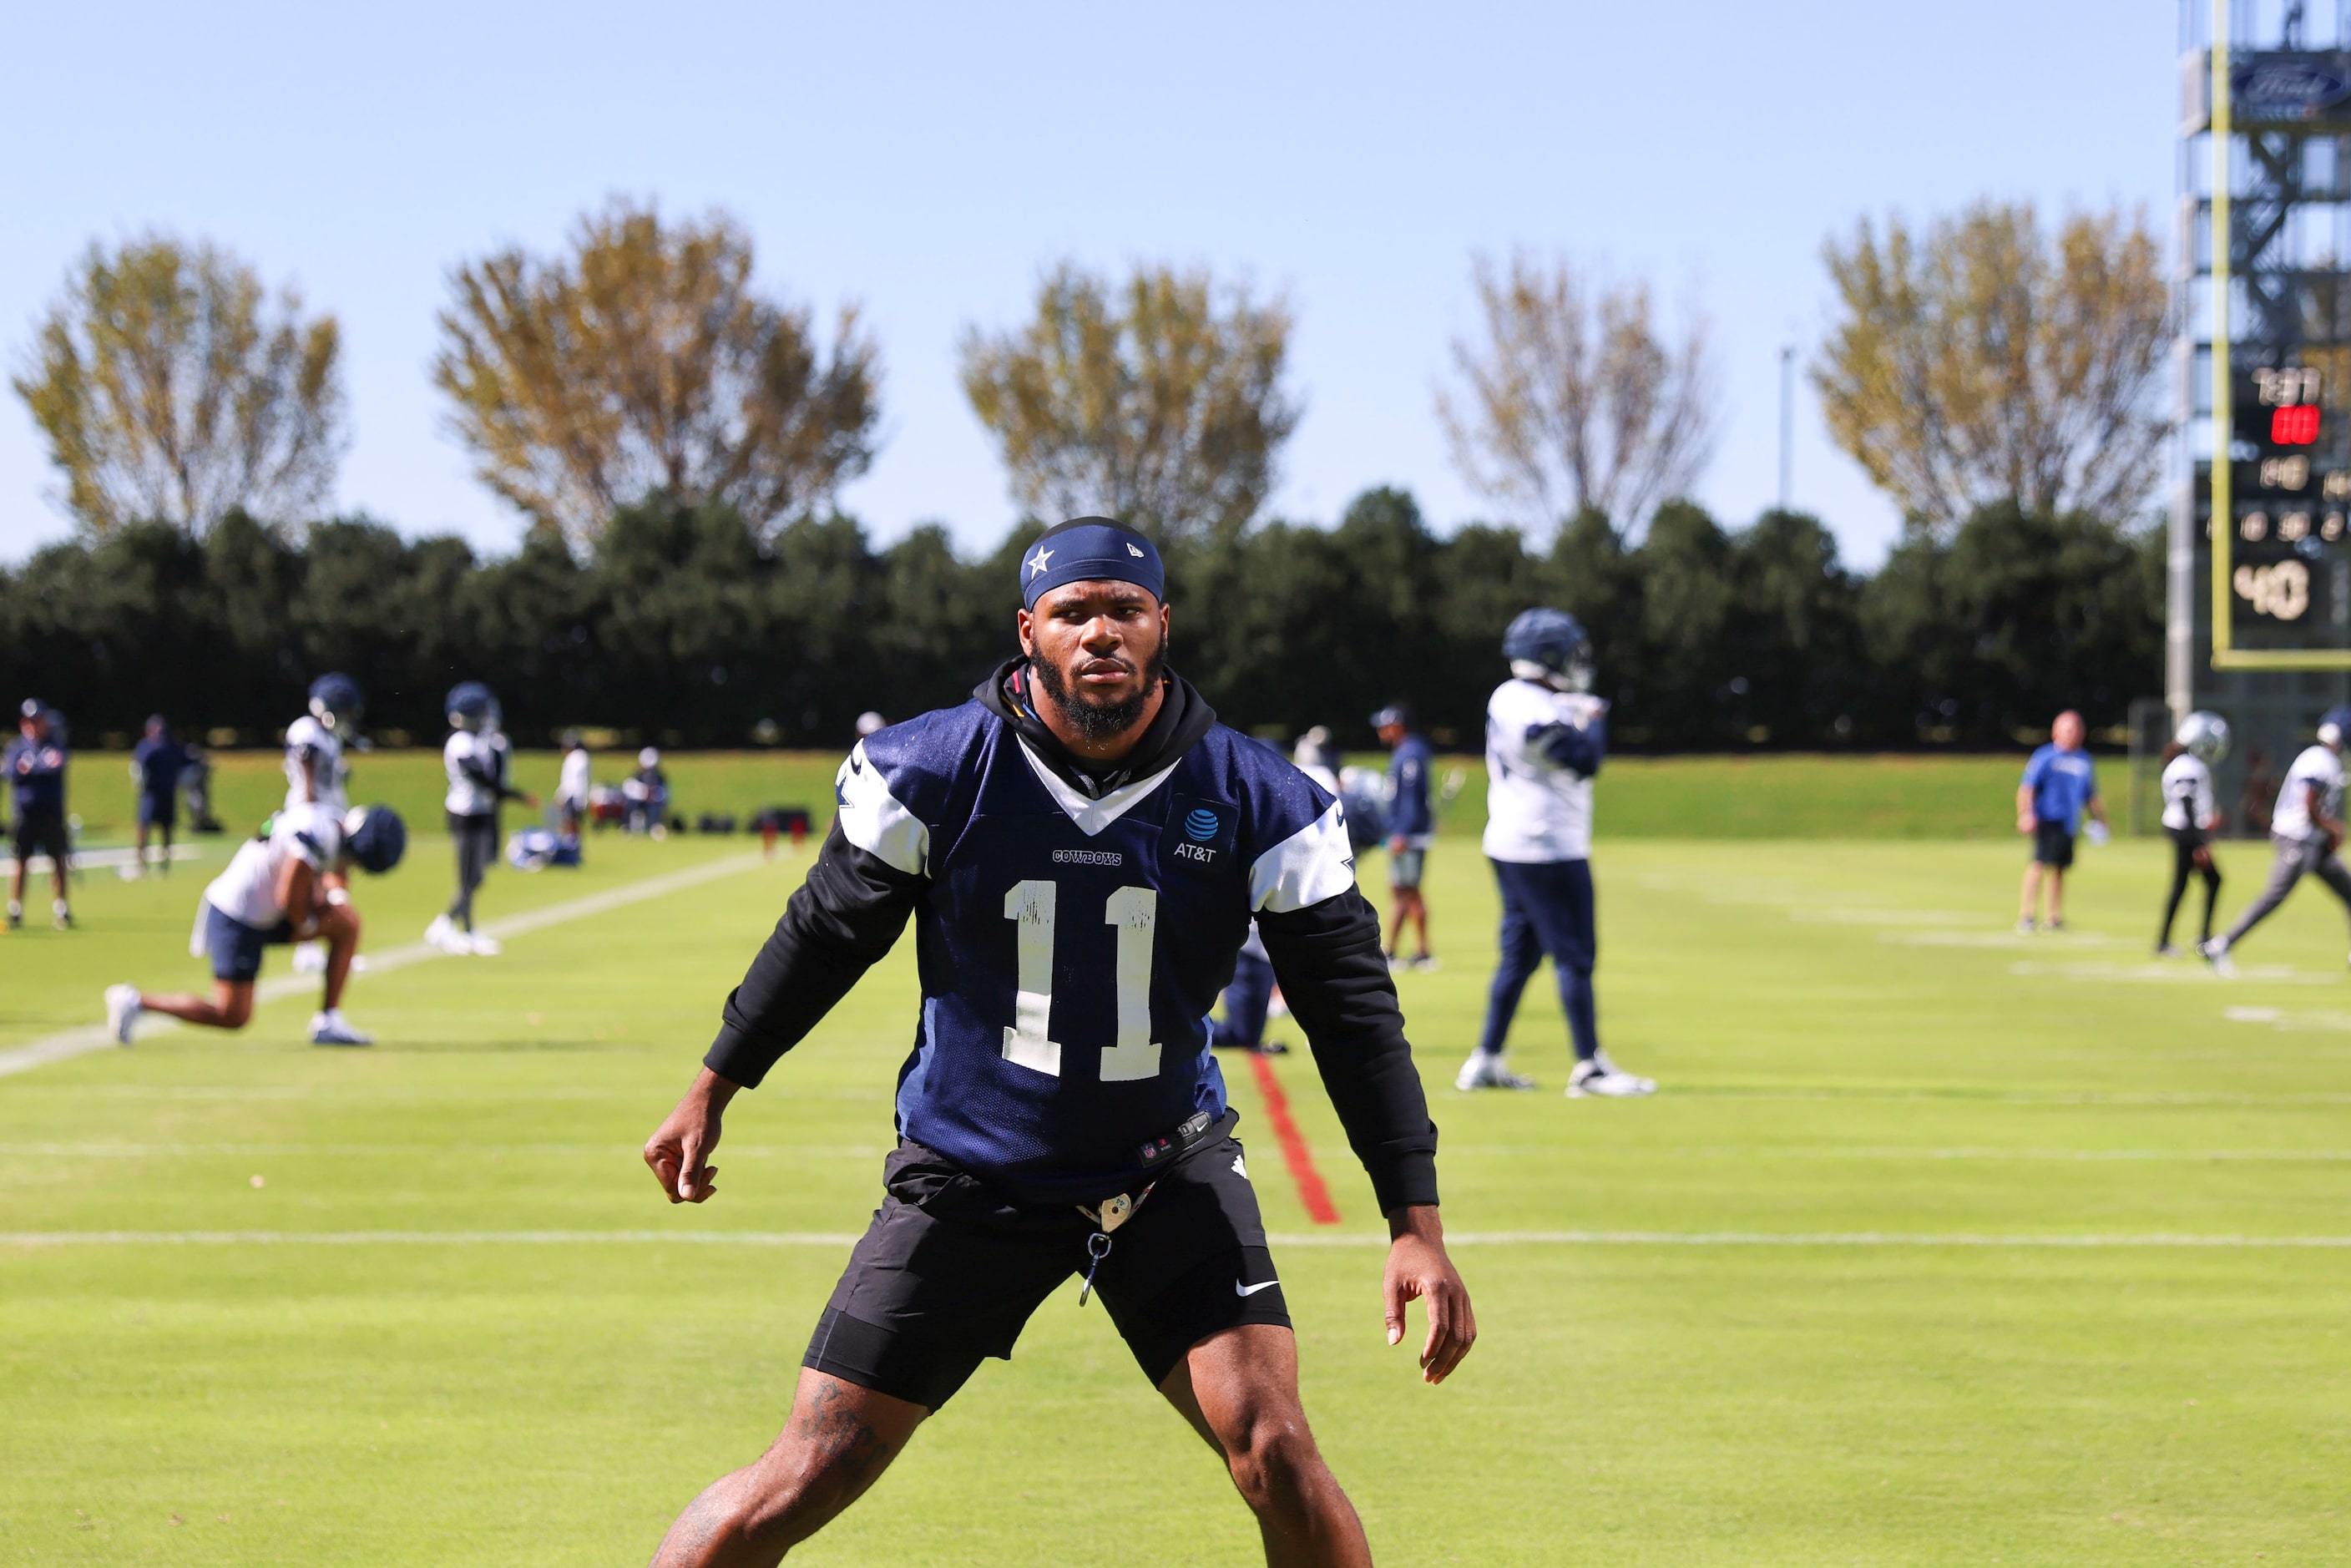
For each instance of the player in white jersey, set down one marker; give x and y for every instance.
(2308, 831)
(1546, 736)
(573, 785)
(279, 888)
(477, 759)
(2189, 815)
(315, 770)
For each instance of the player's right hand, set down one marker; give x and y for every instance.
(678, 1153)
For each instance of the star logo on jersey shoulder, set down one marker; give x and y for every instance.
(1036, 563)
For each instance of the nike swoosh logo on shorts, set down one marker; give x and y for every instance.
(1241, 1289)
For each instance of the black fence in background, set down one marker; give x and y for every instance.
(684, 629)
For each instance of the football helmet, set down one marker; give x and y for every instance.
(2205, 736)
(375, 837)
(472, 706)
(337, 702)
(1549, 645)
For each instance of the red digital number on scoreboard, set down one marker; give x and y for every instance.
(2295, 425)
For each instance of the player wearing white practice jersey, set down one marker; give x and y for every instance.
(2190, 813)
(477, 759)
(316, 769)
(571, 785)
(276, 889)
(1546, 736)
(2306, 831)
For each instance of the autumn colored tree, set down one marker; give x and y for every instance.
(1987, 362)
(643, 362)
(1576, 398)
(1158, 400)
(172, 387)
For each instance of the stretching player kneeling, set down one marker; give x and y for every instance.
(289, 884)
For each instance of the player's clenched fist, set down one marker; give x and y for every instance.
(678, 1153)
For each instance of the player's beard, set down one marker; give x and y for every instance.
(1099, 720)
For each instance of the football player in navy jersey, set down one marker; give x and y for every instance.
(1082, 847)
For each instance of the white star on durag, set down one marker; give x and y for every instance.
(1036, 563)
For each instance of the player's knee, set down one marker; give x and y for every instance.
(785, 1499)
(237, 1011)
(1275, 1462)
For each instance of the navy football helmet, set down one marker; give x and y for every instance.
(375, 837)
(472, 706)
(337, 702)
(1549, 645)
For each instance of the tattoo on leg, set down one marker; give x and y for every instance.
(698, 1526)
(844, 1444)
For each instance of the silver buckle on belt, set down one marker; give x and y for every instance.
(1107, 1216)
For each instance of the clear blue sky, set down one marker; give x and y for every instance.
(928, 161)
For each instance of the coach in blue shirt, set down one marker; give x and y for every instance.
(34, 763)
(2060, 784)
(156, 764)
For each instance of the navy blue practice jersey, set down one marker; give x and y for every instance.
(1071, 948)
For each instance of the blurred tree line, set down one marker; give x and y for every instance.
(689, 625)
(674, 437)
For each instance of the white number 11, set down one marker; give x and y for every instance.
(1136, 912)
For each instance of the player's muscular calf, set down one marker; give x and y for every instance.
(840, 1439)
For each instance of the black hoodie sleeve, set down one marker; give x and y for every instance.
(840, 922)
(1327, 956)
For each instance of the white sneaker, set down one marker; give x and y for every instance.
(443, 933)
(481, 947)
(1484, 1071)
(2216, 953)
(330, 1027)
(309, 957)
(2025, 925)
(1603, 1077)
(122, 1012)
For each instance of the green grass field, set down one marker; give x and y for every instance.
(1891, 1272)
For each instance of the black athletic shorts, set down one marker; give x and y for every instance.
(42, 834)
(950, 1270)
(2052, 845)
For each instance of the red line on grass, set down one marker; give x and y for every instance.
(1294, 1152)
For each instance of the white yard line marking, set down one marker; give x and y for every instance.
(2088, 1157)
(91, 1038)
(425, 1238)
(1854, 1239)
(85, 860)
(2174, 973)
(266, 1151)
(435, 1151)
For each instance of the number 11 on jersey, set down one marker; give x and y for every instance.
(1134, 911)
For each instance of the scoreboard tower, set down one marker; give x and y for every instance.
(2260, 560)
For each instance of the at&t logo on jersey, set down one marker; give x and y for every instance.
(1197, 834)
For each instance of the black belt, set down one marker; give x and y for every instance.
(1195, 1131)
